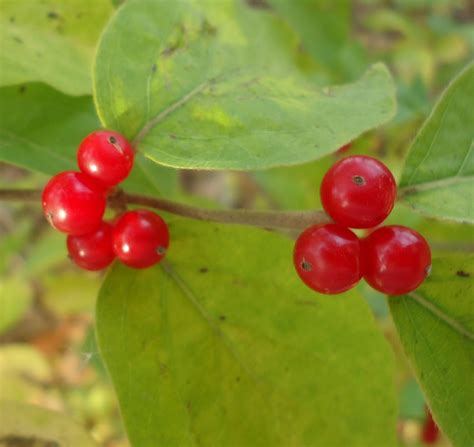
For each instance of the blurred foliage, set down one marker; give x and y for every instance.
(48, 355)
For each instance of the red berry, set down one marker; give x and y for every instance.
(92, 251)
(358, 192)
(106, 156)
(326, 258)
(430, 433)
(396, 259)
(140, 238)
(74, 203)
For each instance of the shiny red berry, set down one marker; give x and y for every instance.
(396, 259)
(326, 258)
(140, 238)
(358, 192)
(106, 156)
(92, 251)
(430, 434)
(74, 203)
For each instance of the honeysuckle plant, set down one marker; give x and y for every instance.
(221, 344)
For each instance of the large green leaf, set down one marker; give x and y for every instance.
(324, 28)
(436, 327)
(224, 346)
(27, 425)
(50, 41)
(438, 176)
(41, 128)
(205, 84)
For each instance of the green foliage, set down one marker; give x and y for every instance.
(50, 41)
(15, 297)
(206, 85)
(41, 129)
(437, 178)
(324, 28)
(437, 331)
(29, 425)
(223, 345)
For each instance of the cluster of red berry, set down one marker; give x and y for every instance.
(75, 203)
(359, 192)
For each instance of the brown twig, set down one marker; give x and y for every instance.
(290, 220)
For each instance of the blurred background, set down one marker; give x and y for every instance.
(48, 354)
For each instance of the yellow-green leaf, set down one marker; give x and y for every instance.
(436, 327)
(223, 345)
(51, 41)
(438, 176)
(205, 84)
(27, 425)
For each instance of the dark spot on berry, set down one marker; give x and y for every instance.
(12, 19)
(22, 89)
(306, 266)
(463, 274)
(173, 136)
(222, 317)
(153, 68)
(114, 143)
(237, 379)
(161, 250)
(203, 270)
(358, 180)
(52, 15)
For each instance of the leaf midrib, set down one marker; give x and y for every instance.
(442, 316)
(426, 186)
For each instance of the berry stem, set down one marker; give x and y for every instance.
(290, 220)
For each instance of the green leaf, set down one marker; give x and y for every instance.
(323, 27)
(211, 85)
(436, 327)
(27, 425)
(15, 298)
(437, 178)
(51, 41)
(223, 345)
(41, 129)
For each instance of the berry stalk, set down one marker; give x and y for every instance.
(290, 220)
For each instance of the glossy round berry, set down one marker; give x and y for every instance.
(106, 156)
(92, 251)
(140, 238)
(430, 434)
(358, 192)
(395, 259)
(74, 203)
(326, 258)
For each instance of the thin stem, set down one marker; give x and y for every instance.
(264, 219)
(289, 220)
